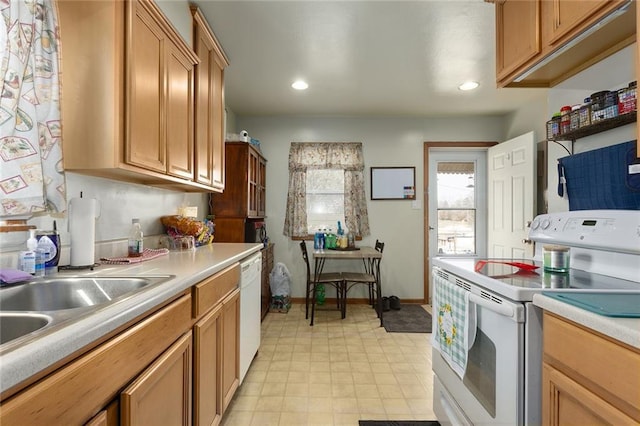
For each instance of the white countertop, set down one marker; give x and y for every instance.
(626, 330)
(188, 267)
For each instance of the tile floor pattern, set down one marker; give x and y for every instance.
(334, 373)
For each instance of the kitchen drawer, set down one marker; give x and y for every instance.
(607, 368)
(211, 291)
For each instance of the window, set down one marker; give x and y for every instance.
(325, 199)
(456, 208)
(326, 184)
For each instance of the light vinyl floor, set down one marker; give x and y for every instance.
(334, 373)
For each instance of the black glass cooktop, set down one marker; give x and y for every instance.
(531, 274)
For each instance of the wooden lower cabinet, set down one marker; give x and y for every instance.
(162, 393)
(588, 378)
(216, 337)
(207, 398)
(110, 416)
(78, 391)
(569, 403)
(230, 347)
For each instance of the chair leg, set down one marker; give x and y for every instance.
(379, 301)
(313, 305)
(343, 296)
(306, 302)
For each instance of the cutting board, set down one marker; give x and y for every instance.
(609, 304)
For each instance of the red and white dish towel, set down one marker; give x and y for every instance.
(147, 254)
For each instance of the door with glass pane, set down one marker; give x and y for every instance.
(457, 203)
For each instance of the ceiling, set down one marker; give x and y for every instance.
(373, 58)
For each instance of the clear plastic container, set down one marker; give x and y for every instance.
(182, 243)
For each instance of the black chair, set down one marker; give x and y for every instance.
(370, 277)
(333, 279)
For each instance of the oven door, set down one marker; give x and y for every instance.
(492, 388)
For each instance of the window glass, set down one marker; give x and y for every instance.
(325, 199)
(456, 208)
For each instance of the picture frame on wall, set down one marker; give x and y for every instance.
(393, 183)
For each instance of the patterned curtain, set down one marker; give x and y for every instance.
(346, 156)
(31, 176)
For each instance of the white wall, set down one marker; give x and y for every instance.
(612, 73)
(120, 201)
(386, 142)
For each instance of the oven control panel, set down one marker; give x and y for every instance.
(613, 230)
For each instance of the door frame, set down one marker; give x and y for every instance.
(425, 224)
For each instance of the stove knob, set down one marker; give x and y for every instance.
(535, 224)
(545, 223)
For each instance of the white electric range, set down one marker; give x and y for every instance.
(499, 381)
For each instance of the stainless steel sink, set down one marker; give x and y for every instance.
(34, 309)
(69, 293)
(14, 325)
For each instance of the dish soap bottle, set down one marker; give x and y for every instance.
(135, 239)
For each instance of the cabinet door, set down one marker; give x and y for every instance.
(253, 191)
(568, 17)
(230, 347)
(161, 395)
(209, 113)
(179, 123)
(517, 34)
(565, 402)
(262, 182)
(145, 142)
(207, 398)
(218, 120)
(110, 416)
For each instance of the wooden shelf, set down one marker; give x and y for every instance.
(600, 126)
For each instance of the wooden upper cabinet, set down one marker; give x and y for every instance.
(160, 101)
(540, 43)
(146, 141)
(209, 100)
(244, 195)
(180, 151)
(565, 17)
(128, 97)
(517, 34)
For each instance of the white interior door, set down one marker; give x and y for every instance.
(512, 199)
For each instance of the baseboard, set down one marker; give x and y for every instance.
(357, 300)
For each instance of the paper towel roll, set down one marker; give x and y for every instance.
(83, 213)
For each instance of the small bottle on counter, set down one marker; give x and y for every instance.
(135, 239)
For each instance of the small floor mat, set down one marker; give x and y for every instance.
(410, 318)
(398, 423)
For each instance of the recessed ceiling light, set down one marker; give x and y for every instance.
(299, 85)
(468, 85)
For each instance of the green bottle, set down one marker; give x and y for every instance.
(320, 294)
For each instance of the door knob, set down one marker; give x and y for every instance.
(527, 241)
(431, 228)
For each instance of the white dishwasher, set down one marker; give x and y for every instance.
(250, 279)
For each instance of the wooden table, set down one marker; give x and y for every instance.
(364, 253)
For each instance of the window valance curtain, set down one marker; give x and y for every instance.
(345, 156)
(31, 173)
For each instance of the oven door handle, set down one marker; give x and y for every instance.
(505, 310)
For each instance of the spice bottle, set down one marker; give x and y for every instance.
(135, 239)
(565, 119)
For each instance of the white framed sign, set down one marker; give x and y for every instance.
(393, 183)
